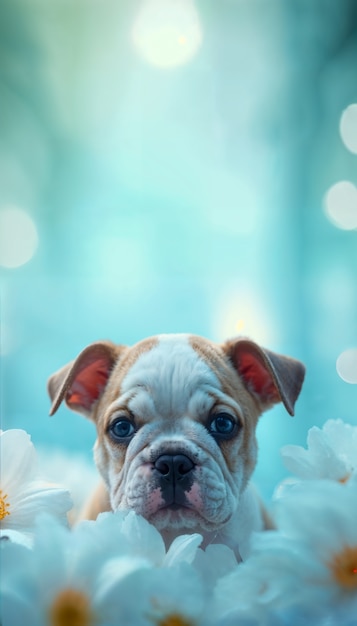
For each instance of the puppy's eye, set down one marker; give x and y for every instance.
(121, 429)
(222, 425)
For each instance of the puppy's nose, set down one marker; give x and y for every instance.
(173, 467)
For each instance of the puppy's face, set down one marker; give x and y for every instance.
(176, 436)
(176, 418)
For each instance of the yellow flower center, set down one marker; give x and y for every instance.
(4, 505)
(344, 568)
(71, 607)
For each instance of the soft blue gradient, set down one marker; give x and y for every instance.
(183, 199)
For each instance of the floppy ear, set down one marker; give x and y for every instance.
(82, 381)
(269, 376)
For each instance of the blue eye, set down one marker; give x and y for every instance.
(222, 425)
(122, 429)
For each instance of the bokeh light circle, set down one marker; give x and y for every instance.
(167, 33)
(18, 237)
(340, 204)
(346, 366)
(348, 128)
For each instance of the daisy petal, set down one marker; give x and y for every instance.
(297, 460)
(327, 462)
(18, 460)
(37, 499)
(182, 549)
(21, 538)
(143, 537)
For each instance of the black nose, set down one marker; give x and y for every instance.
(173, 467)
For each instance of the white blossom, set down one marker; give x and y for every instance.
(22, 494)
(309, 562)
(65, 579)
(331, 453)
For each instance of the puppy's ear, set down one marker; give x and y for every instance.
(271, 377)
(82, 381)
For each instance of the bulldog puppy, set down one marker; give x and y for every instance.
(176, 418)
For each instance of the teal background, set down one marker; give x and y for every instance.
(178, 199)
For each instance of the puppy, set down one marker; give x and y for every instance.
(176, 418)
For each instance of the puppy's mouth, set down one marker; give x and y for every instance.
(174, 506)
(180, 506)
(175, 516)
(176, 497)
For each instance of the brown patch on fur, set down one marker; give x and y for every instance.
(218, 361)
(112, 393)
(97, 503)
(267, 519)
(121, 369)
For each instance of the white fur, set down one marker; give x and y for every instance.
(173, 373)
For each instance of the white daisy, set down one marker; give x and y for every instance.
(22, 495)
(309, 562)
(173, 589)
(174, 596)
(93, 576)
(139, 538)
(213, 562)
(331, 453)
(65, 579)
(295, 616)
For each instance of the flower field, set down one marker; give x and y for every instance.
(116, 571)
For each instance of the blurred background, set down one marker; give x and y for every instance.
(178, 166)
